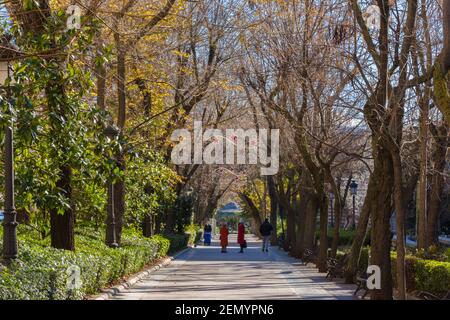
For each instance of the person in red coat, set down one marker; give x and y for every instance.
(241, 235)
(224, 237)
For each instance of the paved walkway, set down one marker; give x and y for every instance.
(204, 273)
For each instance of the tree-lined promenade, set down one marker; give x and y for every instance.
(94, 95)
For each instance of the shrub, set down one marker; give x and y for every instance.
(42, 272)
(345, 237)
(447, 255)
(178, 241)
(424, 275)
(432, 276)
(195, 233)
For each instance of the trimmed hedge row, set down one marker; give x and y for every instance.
(42, 272)
(425, 275)
(178, 241)
(346, 237)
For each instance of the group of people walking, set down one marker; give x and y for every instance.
(265, 230)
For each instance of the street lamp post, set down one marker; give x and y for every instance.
(353, 189)
(111, 132)
(8, 52)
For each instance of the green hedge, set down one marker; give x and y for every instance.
(41, 272)
(345, 237)
(425, 275)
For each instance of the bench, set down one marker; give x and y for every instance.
(361, 283)
(309, 257)
(429, 296)
(336, 267)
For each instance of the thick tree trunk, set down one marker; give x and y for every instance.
(253, 210)
(158, 223)
(290, 229)
(147, 229)
(62, 225)
(299, 246)
(437, 181)
(283, 201)
(337, 209)
(119, 200)
(445, 56)
(323, 247)
(119, 187)
(421, 210)
(310, 223)
(119, 208)
(400, 219)
(171, 212)
(381, 209)
(273, 208)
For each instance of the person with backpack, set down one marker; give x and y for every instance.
(266, 229)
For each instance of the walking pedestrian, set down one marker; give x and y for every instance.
(207, 230)
(241, 236)
(224, 237)
(266, 229)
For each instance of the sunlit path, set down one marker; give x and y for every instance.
(205, 273)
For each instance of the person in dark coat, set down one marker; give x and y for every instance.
(241, 235)
(266, 229)
(207, 230)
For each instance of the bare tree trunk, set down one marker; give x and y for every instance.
(158, 223)
(440, 135)
(62, 225)
(273, 208)
(323, 246)
(147, 229)
(253, 210)
(400, 216)
(422, 186)
(445, 56)
(290, 218)
(171, 212)
(290, 229)
(119, 186)
(381, 209)
(119, 201)
(299, 246)
(310, 223)
(338, 207)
